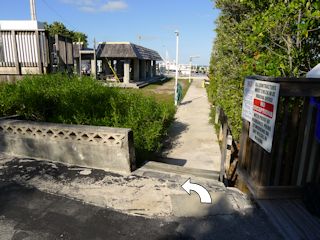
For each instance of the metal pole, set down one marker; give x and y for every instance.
(95, 58)
(191, 57)
(190, 69)
(80, 59)
(177, 69)
(1, 48)
(33, 10)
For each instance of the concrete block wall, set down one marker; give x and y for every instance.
(110, 149)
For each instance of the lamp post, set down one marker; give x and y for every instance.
(177, 69)
(191, 57)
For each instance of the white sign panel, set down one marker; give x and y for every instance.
(247, 103)
(265, 101)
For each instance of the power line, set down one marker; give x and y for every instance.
(58, 14)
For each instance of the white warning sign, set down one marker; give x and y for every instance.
(264, 111)
(247, 103)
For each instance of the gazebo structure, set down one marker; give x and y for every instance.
(123, 62)
(130, 62)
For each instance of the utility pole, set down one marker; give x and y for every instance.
(177, 69)
(191, 57)
(1, 47)
(33, 10)
(94, 58)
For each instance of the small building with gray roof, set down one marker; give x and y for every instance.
(130, 62)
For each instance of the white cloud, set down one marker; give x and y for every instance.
(114, 6)
(81, 2)
(98, 5)
(87, 9)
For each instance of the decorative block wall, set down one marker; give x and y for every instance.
(104, 148)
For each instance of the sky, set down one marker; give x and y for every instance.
(155, 21)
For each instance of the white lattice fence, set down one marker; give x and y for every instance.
(110, 139)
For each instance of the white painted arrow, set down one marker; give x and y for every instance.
(201, 191)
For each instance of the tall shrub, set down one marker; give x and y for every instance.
(267, 37)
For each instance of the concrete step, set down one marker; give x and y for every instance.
(169, 168)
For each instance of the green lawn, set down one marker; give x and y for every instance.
(164, 91)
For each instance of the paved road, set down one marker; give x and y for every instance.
(192, 141)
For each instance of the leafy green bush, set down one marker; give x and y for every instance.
(265, 37)
(61, 99)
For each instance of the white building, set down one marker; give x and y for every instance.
(170, 66)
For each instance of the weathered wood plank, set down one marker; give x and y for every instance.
(314, 158)
(248, 154)
(243, 143)
(292, 219)
(301, 129)
(269, 192)
(281, 145)
(257, 158)
(306, 145)
(224, 149)
(294, 87)
(291, 141)
(266, 166)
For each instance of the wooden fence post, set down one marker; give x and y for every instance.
(224, 148)
(217, 116)
(56, 37)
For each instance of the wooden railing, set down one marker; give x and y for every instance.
(228, 147)
(295, 156)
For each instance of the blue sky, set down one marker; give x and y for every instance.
(124, 20)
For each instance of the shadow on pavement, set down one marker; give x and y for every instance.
(172, 161)
(174, 132)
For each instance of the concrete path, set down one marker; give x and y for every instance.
(192, 140)
(29, 214)
(41, 200)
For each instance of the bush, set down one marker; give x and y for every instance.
(59, 98)
(267, 37)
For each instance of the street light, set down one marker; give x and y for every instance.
(177, 69)
(191, 57)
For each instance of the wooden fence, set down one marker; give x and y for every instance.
(295, 156)
(228, 147)
(33, 52)
(61, 49)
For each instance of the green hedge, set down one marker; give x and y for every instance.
(61, 99)
(265, 37)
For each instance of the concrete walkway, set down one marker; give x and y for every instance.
(42, 200)
(192, 140)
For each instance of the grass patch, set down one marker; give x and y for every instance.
(59, 98)
(164, 91)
